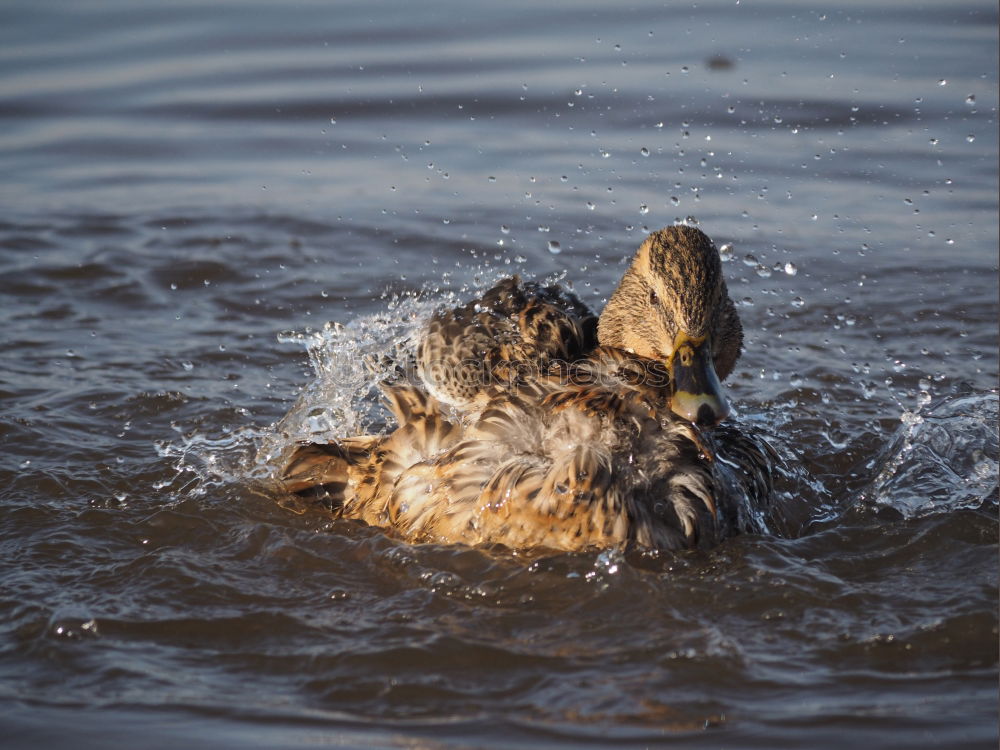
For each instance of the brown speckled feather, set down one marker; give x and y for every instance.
(512, 332)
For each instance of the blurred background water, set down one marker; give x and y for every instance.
(192, 191)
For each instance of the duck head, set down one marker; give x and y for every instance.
(672, 305)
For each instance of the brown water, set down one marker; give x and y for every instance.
(191, 191)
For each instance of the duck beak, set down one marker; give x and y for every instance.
(697, 395)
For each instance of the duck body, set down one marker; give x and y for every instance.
(527, 427)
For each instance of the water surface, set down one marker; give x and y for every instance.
(191, 193)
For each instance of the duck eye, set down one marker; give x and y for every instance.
(653, 298)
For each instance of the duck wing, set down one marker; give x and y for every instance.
(514, 330)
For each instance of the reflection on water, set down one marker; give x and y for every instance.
(213, 215)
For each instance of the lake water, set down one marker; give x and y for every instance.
(192, 191)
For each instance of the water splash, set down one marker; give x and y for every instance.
(943, 459)
(202, 459)
(351, 361)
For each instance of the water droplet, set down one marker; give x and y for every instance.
(675, 200)
(590, 205)
(643, 209)
(543, 228)
(505, 229)
(790, 269)
(763, 271)
(970, 138)
(970, 99)
(726, 252)
(750, 260)
(943, 82)
(798, 302)
(644, 151)
(491, 178)
(554, 247)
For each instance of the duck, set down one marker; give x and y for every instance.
(529, 422)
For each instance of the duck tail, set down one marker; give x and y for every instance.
(323, 471)
(423, 429)
(409, 403)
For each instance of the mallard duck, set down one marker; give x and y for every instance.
(532, 423)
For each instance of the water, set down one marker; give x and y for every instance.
(192, 192)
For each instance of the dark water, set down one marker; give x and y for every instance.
(190, 191)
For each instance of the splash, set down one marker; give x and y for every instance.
(203, 459)
(943, 459)
(351, 361)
